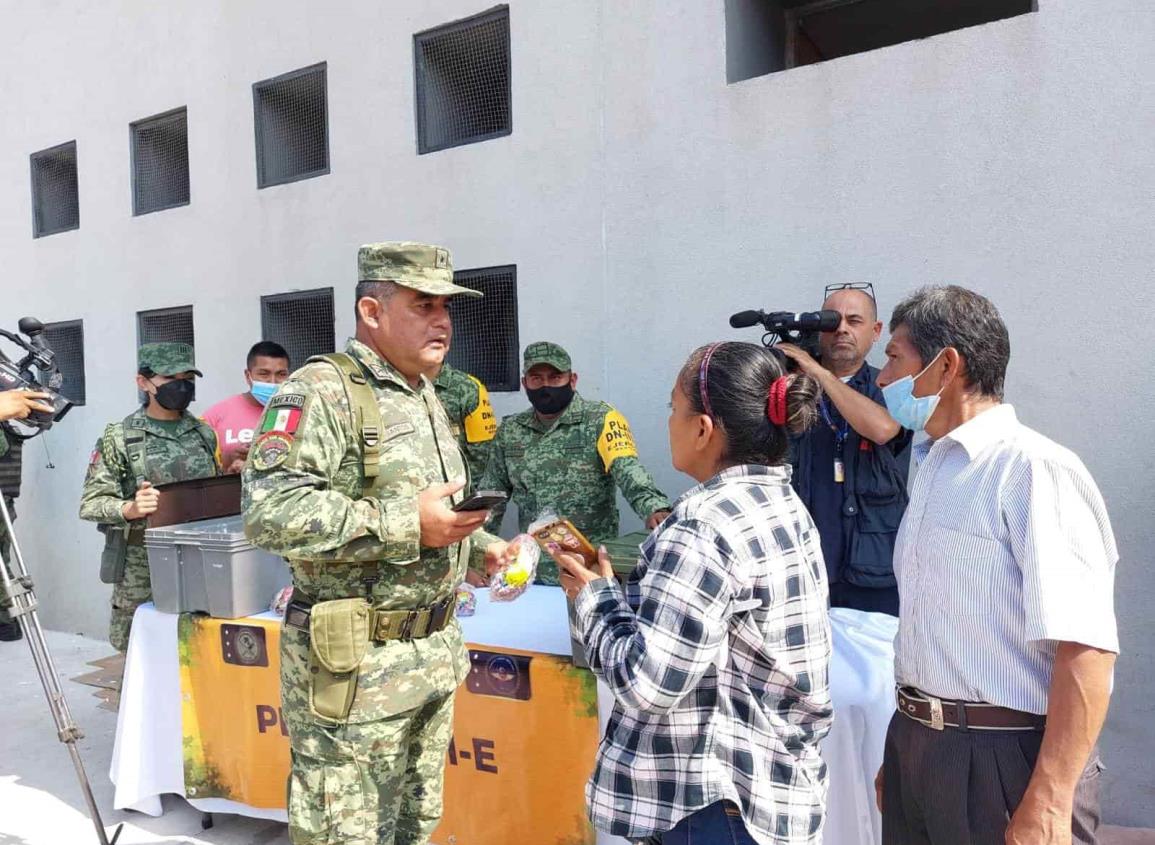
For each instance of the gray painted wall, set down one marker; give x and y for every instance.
(643, 200)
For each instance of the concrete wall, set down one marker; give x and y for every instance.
(643, 199)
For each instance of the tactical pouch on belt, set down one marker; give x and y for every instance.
(112, 559)
(339, 637)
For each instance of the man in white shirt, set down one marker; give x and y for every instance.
(1005, 563)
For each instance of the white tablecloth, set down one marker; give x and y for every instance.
(147, 760)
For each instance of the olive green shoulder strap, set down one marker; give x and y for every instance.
(134, 446)
(366, 414)
(209, 439)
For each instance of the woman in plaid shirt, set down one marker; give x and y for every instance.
(718, 650)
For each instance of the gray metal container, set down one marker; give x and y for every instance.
(210, 567)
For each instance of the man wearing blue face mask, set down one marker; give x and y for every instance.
(1006, 637)
(236, 418)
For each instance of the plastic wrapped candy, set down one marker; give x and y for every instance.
(466, 600)
(509, 583)
(281, 601)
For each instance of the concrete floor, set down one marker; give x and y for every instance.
(40, 799)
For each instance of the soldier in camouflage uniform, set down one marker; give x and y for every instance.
(14, 405)
(350, 478)
(156, 444)
(471, 417)
(566, 454)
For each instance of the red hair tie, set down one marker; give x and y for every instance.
(776, 406)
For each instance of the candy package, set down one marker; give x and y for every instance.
(281, 601)
(560, 535)
(466, 600)
(509, 583)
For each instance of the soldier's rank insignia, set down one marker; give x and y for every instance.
(271, 450)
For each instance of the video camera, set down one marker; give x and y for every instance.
(800, 328)
(18, 375)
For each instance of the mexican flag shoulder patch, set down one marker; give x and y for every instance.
(284, 414)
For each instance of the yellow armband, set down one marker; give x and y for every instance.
(616, 440)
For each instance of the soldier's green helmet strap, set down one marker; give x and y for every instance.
(366, 413)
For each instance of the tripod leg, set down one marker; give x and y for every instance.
(20, 593)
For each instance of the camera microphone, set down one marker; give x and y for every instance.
(746, 319)
(806, 321)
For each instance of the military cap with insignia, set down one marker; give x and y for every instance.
(422, 267)
(167, 359)
(544, 352)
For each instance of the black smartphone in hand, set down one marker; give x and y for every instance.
(482, 500)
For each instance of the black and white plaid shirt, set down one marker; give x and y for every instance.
(718, 658)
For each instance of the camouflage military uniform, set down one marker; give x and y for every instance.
(571, 466)
(471, 417)
(175, 450)
(374, 775)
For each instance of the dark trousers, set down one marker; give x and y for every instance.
(718, 824)
(956, 787)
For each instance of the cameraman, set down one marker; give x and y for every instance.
(850, 468)
(14, 405)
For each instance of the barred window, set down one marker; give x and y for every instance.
(164, 325)
(463, 81)
(66, 339)
(55, 191)
(485, 339)
(160, 162)
(301, 321)
(292, 126)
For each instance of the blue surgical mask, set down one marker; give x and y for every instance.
(910, 411)
(263, 391)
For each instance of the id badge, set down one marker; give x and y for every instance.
(839, 471)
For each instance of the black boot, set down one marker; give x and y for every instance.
(10, 632)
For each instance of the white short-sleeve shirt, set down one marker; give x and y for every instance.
(1005, 551)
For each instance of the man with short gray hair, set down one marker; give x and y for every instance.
(1005, 563)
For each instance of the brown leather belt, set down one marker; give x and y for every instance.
(387, 624)
(936, 713)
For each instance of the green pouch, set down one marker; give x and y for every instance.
(115, 553)
(339, 638)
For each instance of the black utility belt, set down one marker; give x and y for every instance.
(386, 625)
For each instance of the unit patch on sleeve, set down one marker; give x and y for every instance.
(271, 450)
(616, 440)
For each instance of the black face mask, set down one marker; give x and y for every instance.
(176, 395)
(550, 400)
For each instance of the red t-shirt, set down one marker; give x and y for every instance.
(234, 420)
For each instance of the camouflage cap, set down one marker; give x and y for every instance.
(422, 267)
(167, 359)
(544, 352)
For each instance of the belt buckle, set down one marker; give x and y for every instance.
(936, 720)
(297, 616)
(407, 626)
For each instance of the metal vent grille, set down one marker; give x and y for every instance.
(485, 340)
(463, 87)
(301, 321)
(66, 339)
(55, 192)
(292, 126)
(160, 162)
(164, 325)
